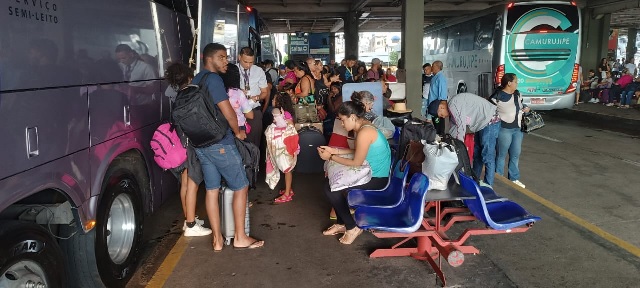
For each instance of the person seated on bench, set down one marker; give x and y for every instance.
(382, 123)
(370, 145)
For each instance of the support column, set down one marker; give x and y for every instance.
(351, 34)
(412, 34)
(332, 49)
(595, 40)
(631, 43)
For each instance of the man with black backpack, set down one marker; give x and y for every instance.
(222, 158)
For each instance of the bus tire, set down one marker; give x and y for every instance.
(107, 256)
(29, 255)
(462, 88)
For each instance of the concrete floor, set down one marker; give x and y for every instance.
(591, 173)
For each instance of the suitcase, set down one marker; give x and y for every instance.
(309, 160)
(226, 215)
(318, 126)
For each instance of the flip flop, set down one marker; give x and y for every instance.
(251, 246)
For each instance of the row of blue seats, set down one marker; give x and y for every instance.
(400, 208)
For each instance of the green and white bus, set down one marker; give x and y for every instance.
(539, 41)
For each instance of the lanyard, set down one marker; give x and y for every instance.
(350, 73)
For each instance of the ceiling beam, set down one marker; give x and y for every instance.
(357, 5)
(337, 26)
(299, 7)
(616, 7)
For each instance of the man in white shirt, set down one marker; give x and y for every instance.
(631, 67)
(253, 82)
(133, 70)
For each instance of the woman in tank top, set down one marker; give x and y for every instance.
(371, 145)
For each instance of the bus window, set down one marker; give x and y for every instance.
(484, 31)
(442, 41)
(453, 39)
(466, 39)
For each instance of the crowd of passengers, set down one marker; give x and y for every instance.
(253, 97)
(611, 84)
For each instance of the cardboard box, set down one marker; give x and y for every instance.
(317, 125)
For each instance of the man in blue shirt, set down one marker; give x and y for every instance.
(223, 159)
(437, 91)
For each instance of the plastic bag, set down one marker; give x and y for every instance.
(440, 162)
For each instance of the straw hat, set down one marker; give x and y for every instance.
(400, 107)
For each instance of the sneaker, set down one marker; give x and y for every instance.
(597, 101)
(198, 222)
(517, 182)
(484, 184)
(625, 107)
(593, 100)
(196, 230)
(608, 104)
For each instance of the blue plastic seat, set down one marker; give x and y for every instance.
(502, 215)
(404, 218)
(490, 196)
(389, 196)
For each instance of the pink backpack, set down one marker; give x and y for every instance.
(166, 145)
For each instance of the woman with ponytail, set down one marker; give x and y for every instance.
(370, 145)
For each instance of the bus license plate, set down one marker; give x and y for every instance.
(537, 100)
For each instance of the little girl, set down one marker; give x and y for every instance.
(282, 146)
(241, 105)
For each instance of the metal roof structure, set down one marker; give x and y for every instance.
(283, 16)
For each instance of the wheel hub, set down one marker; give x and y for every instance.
(25, 273)
(121, 228)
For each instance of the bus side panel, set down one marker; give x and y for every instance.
(69, 175)
(137, 141)
(41, 126)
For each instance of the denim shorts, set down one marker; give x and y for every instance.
(222, 161)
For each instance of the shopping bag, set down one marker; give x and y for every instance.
(440, 162)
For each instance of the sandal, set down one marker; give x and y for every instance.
(282, 192)
(335, 229)
(283, 199)
(350, 236)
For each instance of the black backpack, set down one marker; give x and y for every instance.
(198, 120)
(250, 154)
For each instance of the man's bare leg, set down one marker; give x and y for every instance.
(239, 212)
(213, 210)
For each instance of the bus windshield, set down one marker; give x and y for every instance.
(542, 46)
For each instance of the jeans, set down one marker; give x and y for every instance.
(626, 97)
(423, 111)
(509, 140)
(484, 152)
(339, 201)
(222, 161)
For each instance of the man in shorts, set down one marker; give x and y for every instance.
(222, 160)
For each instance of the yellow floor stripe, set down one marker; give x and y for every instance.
(169, 263)
(593, 228)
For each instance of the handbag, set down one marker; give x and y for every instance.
(414, 156)
(531, 121)
(342, 176)
(306, 113)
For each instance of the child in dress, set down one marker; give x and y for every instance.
(283, 127)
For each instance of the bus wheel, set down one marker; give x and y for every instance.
(108, 254)
(29, 256)
(462, 88)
